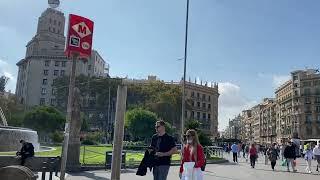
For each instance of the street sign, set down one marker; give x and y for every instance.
(79, 36)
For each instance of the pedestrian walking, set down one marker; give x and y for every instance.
(192, 153)
(253, 153)
(282, 151)
(273, 155)
(247, 151)
(243, 150)
(290, 155)
(164, 146)
(239, 150)
(308, 157)
(316, 153)
(235, 150)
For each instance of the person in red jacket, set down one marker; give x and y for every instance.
(253, 155)
(193, 152)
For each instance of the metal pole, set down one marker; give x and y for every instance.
(118, 132)
(184, 72)
(64, 152)
(109, 117)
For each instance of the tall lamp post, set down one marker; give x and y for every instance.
(184, 72)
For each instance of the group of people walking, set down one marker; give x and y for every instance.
(286, 153)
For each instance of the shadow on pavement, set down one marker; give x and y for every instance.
(211, 174)
(89, 175)
(284, 171)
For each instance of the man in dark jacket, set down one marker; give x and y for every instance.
(26, 151)
(290, 155)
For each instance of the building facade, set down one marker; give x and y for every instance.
(255, 111)
(268, 117)
(203, 106)
(247, 124)
(45, 61)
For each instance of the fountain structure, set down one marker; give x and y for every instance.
(10, 136)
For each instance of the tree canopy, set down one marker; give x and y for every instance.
(44, 119)
(140, 123)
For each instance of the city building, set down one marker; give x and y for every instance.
(202, 105)
(247, 126)
(45, 61)
(268, 119)
(235, 127)
(255, 112)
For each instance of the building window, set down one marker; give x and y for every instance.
(307, 91)
(296, 93)
(295, 85)
(192, 114)
(54, 30)
(198, 95)
(204, 116)
(62, 72)
(47, 63)
(203, 97)
(317, 108)
(46, 72)
(309, 130)
(308, 119)
(55, 72)
(317, 91)
(317, 82)
(89, 67)
(54, 92)
(63, 63)
(50, 20)
(44, 81)
(53, 102)
(209, 106)
(209, 97)
(43, 91)
(192, 102)
(204, 105)
(198, 115)
(192, 94)
(57, 63)
(209, 116)
(307, 84)
(59, 23)
(42, 101)
(307, 101)
(198, 104)
(317, 100)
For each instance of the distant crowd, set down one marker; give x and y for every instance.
(287, 153)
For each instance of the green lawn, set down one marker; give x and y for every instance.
(96, 155)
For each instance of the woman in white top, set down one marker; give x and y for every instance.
(316, 153)
(308, 157)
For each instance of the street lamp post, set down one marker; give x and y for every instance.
(184, 72)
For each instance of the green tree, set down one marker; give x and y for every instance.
(140, 123)
(44, 119)
(203, 138)
(13, 111)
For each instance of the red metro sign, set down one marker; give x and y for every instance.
(79, 36)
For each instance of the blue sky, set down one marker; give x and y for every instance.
(248, 46)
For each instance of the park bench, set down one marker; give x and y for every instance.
(45, 165)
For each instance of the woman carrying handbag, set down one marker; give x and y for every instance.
(193, 158)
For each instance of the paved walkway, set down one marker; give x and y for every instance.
(226, 171)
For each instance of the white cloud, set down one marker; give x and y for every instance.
(8, 70)
(231, 102)
(277, 80)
